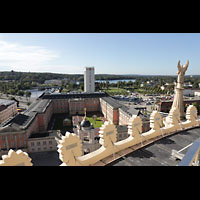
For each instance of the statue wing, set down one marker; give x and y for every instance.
(185, 66)
(179, 66)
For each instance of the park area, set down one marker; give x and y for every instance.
(96, 123)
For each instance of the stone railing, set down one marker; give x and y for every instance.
(70, 145)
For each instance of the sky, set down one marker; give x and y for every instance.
(109, 53)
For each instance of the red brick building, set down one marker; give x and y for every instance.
(17, 132)
(165, 106)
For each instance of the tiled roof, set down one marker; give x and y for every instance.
(74, 95)
(19, 119)
(112, 102)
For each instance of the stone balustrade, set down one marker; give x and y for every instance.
(70, 146)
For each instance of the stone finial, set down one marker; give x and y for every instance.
(69, 148)
(135, 126)
(191, 113)
(156, 120)
(108, 134)
(18, 158)
(174, 117)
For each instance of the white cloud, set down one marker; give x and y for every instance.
(60, 68)
(20, 57)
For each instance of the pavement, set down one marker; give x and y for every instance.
(48, 158)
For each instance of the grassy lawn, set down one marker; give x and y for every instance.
(115, 90)
(98, 123)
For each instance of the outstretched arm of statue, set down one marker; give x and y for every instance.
(185, 66)
(179, 67)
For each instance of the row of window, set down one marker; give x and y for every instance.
(3, 137)
(44, 148)
(12, 145)
(38, 143)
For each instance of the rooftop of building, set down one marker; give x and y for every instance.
(130, 110)
(44, 134)
(115, 104)
(159, 153)
(22, 121)
(39, 106)
(2, 107)
(19, 119)
(6, 102)
(74, 95)
(112, 102)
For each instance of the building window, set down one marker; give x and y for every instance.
(33, 149)
(38, 143)
(32, 144)
(44, 142)
(3, 138)
(50, 147)
(11, 137)
(21, 142)
(50, 142)
(39, 149)
(4, 145)
(12, 144)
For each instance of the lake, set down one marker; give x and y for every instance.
(115, 81)
(35, 93)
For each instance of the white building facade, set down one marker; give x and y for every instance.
(89, 80)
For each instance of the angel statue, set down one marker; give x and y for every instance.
(181, 72)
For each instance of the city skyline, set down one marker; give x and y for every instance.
(109, 53)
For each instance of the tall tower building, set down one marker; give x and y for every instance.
(89, 80)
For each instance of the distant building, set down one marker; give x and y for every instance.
(190, 92)
(162, 87)
(8, 108)
(89, 80)
(197, 93)
(165, 106)
(53, 81)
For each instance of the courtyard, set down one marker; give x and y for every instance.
(56, 122)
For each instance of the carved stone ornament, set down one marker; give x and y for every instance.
(156, 121)
(69, 148)
(108, 134)
(18, 158)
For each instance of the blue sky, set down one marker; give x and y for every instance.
(109, 53)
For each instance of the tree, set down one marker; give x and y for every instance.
(28, 94)
(107, 84)
(196, 105)
(195, 85)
